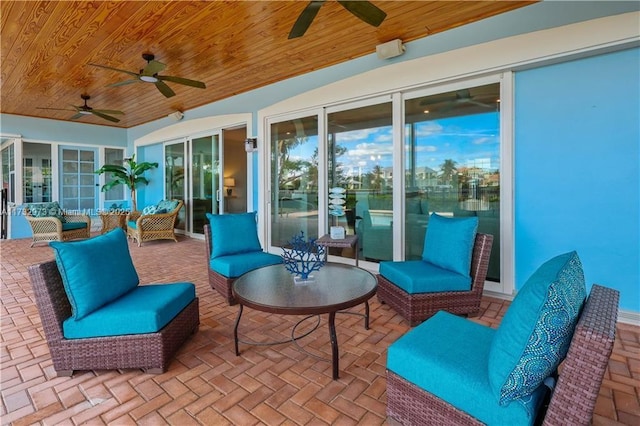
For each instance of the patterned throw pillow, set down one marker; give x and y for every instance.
(149, 210)
(535, 333)
(51, 209)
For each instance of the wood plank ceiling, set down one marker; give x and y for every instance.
(231, 46)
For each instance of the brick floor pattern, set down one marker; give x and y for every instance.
(206, 384)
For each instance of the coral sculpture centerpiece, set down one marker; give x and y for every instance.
(303, 257)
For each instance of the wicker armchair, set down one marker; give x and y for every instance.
(155, 226)
(573, 400)
(151, 352)
(415, 308)
(51, 228)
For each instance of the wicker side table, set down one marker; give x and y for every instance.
(349, 241)
(113, 219)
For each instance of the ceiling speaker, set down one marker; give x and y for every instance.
(390, 49)
(177, 115)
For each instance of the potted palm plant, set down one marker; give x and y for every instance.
(130, 174)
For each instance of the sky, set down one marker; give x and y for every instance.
(469, 140)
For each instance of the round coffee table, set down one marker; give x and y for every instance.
(336, 287)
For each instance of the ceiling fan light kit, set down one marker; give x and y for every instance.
(390, 49)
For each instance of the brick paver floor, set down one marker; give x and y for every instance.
(207, 384)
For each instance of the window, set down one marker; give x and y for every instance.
(294, 179)
(452, 163)
(114, 198)
(360, 146)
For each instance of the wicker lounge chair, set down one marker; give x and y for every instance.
(415, 308)
(151, 352)
(147, 227)
(573, 400)
(51, 228)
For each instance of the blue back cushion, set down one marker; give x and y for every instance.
(233, 234)
(95, 271)
(535, 333)
(449, 242)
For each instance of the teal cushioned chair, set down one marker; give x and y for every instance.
(95, 316)
(450, 276)
(233, 248)
(450, 370)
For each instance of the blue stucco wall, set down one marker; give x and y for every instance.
(577, 169)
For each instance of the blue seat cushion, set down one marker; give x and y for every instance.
(234, 265)
(449, 242)
(145, 309)
(95, 271)
(69, 226)
(535, 332)
(132, 224)
(447, 356)
(417, 276)
(233, 234)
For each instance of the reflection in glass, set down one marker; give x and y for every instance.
(205, 176)
(452, 167)
(174, 177)
(294, 181)
(360, 161)
(115, 196)
(36, 172)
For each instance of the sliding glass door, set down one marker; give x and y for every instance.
(395, 159)
(294, 179)
(452, 163)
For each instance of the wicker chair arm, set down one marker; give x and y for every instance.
(133, 216)
(41, 225)
(156, 221)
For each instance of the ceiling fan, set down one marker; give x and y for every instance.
(149, 74)
(85, 109)
(364, 10)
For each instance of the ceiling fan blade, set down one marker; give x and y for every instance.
(305, 19)
(115, 69)
(153, 67)
(75, 117)
(56, 109)
(105, 116)
(482, 104)
(185, 81)
(108, 111)
(124, 83)
(366, 11)
(164, 89)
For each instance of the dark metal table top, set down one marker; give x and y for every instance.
(336, 287)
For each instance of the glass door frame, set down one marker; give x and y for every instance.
(265, 191)
(505, 80)
(217, 193)
(60, 168)
(323, 185)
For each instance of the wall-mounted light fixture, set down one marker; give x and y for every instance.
(229, 182)
(390, 49)
(251, 144)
